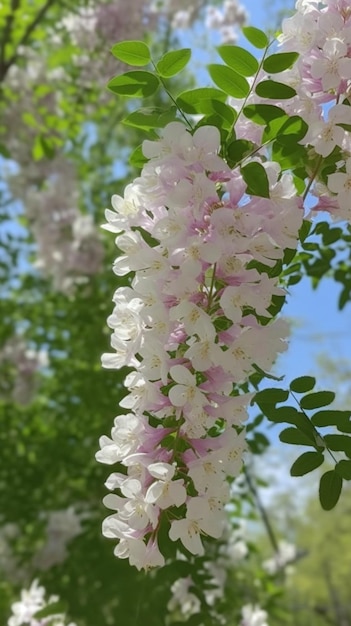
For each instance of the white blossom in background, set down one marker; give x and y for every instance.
(68, 244)
(26, 362)
(285, 555)
(227, 19)
(253, 615)
(232, 550)
(182, 14)
(10, 567)
(62, 526)
(183, 600)
(33, 600)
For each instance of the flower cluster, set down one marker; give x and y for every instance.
(253, 615)
(226, 19)
(68, 245)
(285, 555)
(33, 600)
(21, 367)
(62, 526)
(182, 15)
(231, 551)
(194, 324)
(321, 33)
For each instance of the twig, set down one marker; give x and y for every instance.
(24, 39)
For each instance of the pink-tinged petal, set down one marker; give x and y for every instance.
(188, 532)
(336, 182)
(181, 375)
(114, 502)
(113, 528)
(161, 471)
(207, 138)
(344, 66)
(178, 395)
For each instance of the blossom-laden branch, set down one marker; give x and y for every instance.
(199, 317)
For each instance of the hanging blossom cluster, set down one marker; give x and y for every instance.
(62, 527)
(183, 14)
(194, 324)
(21, 365)
(321, 33)
(68, 245)
(33, 600)
(184, 602)
(226, 19)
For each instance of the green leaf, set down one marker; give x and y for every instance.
(283, 414)
(279, 62)
(330, 489)
(227, 113)
(302, 384)
(287, 157)
(200, 100)
(237, 150)
(148, 118)
(4, 151)
(344, 423)
(286, 130)
(274, 91)
(137, 158)
(132, 52)
(307, 462)
(54, 608)
(173, 62)
(230, 81)
(270, 397)
(339, 443)
(291, 131)
(317, 399)
(255, 36)
(295, 437)
(239, 59)
(330, 418)
(263, 113)
(42, 147)
(135, 84)
(344, 469)
(256, 178)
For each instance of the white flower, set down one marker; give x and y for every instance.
(334, 66)
(165, 492)
(340, 183)
(197, 521)
(126, 436)
(253, 615)
(186, 391)
(285, 555)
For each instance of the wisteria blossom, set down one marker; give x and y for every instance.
(191, 331)
(197, 318)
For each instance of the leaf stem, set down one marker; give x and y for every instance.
(171, 97)
(312, 179)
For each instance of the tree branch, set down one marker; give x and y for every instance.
(262, 511)
(25, 37)
(15, 4)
